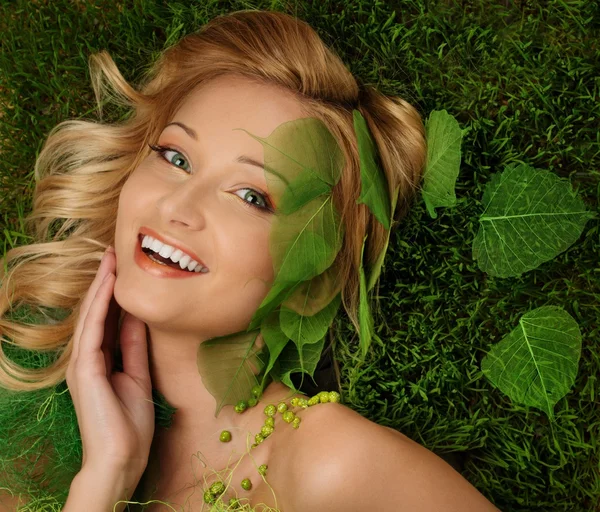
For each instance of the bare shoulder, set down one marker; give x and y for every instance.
(339, 460)
(327, 428)
(326, 431)
(337, 423)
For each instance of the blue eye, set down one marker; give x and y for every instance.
(258, 194)
(267, 208)
(161, 150)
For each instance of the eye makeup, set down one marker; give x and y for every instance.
(268, 208)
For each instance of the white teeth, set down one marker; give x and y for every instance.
(185, 259)
(165, 251)
(175, 255)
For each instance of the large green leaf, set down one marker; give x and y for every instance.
(374, 189)
(365, 318)
(278, 293)
(314, 295)
(302, 161)
(444, 138)
(274, 339)
(531, 215)
(303, 245)
(536, 363)
(376, 269)
(294, 360)
(306, 242)
(306, 329)
(229, 365)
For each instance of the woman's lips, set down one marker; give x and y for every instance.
(156, 269)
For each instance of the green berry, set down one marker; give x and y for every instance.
(296, 422)
(288, 416)
(266, 431)
(294, 401)
(282, 407)
(217, 488)
(314, 400)
(208, 497)
(246, 484)
(324, 397)
(256, 391)
(262, 469)
(334, 396)
(270, 410)
(241, 406)
(303, 402)
(254, 445)
(252, 402)
(234, 502)
(225, 436)
(259, 438)
(270, 422)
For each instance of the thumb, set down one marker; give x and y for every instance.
(134, 350)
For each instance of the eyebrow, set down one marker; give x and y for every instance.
(242, 159)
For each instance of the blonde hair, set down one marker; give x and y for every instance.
(83, 165)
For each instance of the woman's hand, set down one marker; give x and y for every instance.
(114, 410)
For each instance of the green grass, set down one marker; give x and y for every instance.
(524, 78)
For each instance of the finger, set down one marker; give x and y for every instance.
(106, 265)
(90, 343)
(134, 350)
(87, 301)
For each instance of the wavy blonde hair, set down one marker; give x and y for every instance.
(83, 165)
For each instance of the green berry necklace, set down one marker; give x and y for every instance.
(212, 494)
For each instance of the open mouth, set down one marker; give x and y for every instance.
(165, 262)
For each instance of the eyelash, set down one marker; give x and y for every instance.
(161, 150)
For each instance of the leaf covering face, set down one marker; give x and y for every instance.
(303, 162)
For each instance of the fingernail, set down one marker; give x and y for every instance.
(110, 248)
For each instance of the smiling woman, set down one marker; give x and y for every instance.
(256, 163)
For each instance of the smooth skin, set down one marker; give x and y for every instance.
(346, 463)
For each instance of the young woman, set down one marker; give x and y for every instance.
(234, 124)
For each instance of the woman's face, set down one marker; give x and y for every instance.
(198, 193)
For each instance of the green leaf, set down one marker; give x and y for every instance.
(531, 216)
(306, 242)
(275, 340)
(229, 365)
(302, 161)
(365, 319)
(306, 329)
(294, 360)
(302, 245)
(278, 293)
(374, 189)
(314, 295)
(302, 190)
(536, 364)
(376, 269)
(444, 139)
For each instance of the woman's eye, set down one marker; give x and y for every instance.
(263, 204)
(161, 150)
